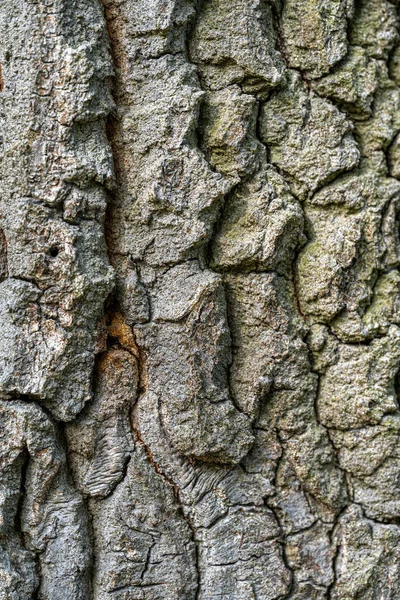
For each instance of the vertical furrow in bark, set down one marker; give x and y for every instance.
(143, 544)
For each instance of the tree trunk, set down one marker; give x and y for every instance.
(199, 300)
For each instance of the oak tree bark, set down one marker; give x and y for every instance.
(199, 300)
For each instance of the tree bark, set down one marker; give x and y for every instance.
(199, 300)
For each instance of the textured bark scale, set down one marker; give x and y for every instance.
(199, 300)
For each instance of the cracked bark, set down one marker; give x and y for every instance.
(199, 299)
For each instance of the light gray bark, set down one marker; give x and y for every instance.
(199, 300)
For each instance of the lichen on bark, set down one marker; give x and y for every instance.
(199, 299)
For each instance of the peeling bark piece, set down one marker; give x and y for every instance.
(379, 493)
(314, 33)
(206, 490)
(310, 140)
(130, 291)
(290, 503)
(262, 460)
(323, 346)
(181, 290)
(384, 309)
(194, 339)
(17, 298)
(359, 389)
(370, 455)
(51, 353)
(234, 41)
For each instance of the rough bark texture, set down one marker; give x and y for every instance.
(199, 300)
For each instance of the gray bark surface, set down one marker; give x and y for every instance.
(199, 300)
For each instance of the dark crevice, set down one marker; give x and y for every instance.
(18, 520)
(2, 84)
(36, 593)
(3, 256)
(157, 468)
(24, 459)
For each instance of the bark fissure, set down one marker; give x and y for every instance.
(199, 299)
